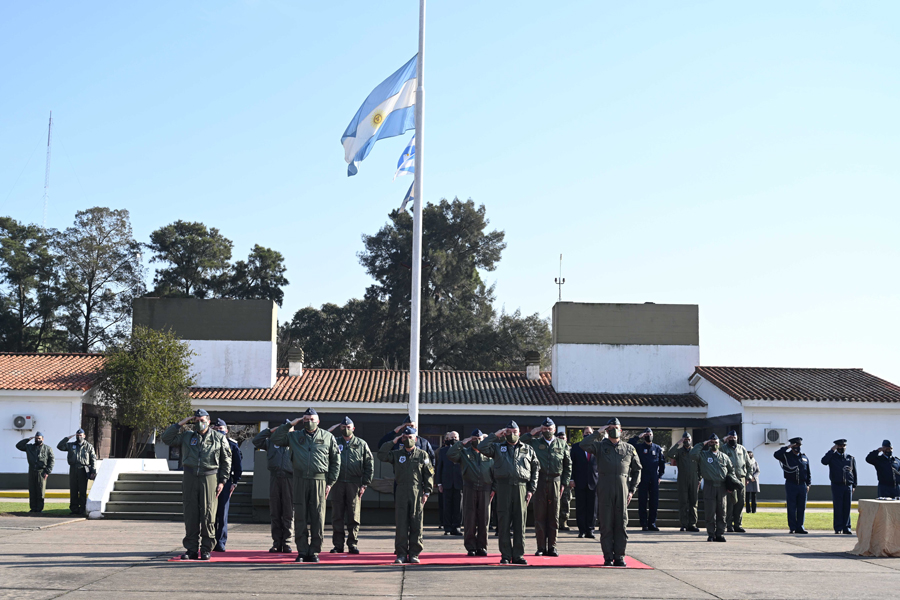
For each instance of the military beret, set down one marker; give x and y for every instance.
(38, 434)
(200, 413)
(732, 432)
(477, 433)
(646, 431)
(885, 443)
(714, 437)
(409, 430)
(347, 421)
(512, 425)
(685, 436)
(310, 412)
(548, 422)
(796, 440)
(614, 421)
(841, 442)
(220, 423)
(79, 430)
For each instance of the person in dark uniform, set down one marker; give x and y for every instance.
(82, 464)
(797, 480)
(887, 467)
(357, 472)
(653, 465)
(224, 504)
(556, 470)
(40, 465)
(478, 484)
(688, 482)
(565, 501)
(843, 476)
(584, 486)
(281, 493)
(449, 481)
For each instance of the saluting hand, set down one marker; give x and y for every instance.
(535, 431)
(397, 439)
(500, 433)
(185, 421)
(333, 427)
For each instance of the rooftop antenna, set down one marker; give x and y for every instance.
(47, 170)
(559, 281)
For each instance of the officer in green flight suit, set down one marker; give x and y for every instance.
(556, 470)
(478, 483)
(357, 472)
(82, 463)
(714, 467)
(734, 501)
(688, 482)
(40, 465)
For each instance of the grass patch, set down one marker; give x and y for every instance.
(21, 509)
(778, 520)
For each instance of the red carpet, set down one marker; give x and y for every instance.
(428, 558)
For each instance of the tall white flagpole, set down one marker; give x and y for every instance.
(415, 314)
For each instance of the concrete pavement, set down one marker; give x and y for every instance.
(128, 559)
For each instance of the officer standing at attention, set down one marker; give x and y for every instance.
(414, 479)
(740, 460)
(281, 494)
(82, 463)
(653, 465)
(714, 467)
(40, 465)
(357, 472)
(797, 480)
(206, 456)
(887, 467)
(619, 472)
(317, 464)
(688, 482)
(516, 469)
(224, 503)
(556, 470)
(565, 501)
(842, 473)
(478, 486)
(449, 481)
(584, 484)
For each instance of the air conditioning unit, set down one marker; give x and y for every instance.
(776, 436)
(23, 422)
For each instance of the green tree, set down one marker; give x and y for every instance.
(197, 258)
(100, 273)
(144, 383)
(260, 277)
(330, 337)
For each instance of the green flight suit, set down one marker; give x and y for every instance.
(556, 470)
(414, 478)
(619, 472)
(40, 465)
(713, 467)
(688, 484)
(82, 462)
(516, 471)
(206, 459)
(317, 464)
(565, 507)
(734, 501)
(478, 486)
(357, 470)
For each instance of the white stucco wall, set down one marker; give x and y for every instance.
(57, 414)
(622, 369)
(719, 404)
(231, 364)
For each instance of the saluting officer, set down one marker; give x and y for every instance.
(224, 502)
(714, 467)
(887, 467)
(281, 494)
(206, 458)
(740, 460)
(82, 463)
(688, 482)
(478, 486)
(653, 465)
(843, 476)
(40, 465)
(619, 472)
(357, 471)
(516, 469)
(797, 480)
(556, 470)
(414, 479)
(317, 463)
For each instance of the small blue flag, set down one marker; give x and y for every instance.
(407, 162)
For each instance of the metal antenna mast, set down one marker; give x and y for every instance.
(47, 171)
(559, 281)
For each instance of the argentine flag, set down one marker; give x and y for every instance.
(388, 111)
(407, 162)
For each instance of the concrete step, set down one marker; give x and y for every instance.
(174, 508)
(152, 516)
(237, 498)
(167, 476)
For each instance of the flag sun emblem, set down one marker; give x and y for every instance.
(377, 119)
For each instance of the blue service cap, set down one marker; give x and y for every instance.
(512, 425)
(685, 436)
(884, 443)
(614, 421)
(79, 430)
(310, 412)
(408, 430)
(798, 440)
(548, 422)
(561, 433)
(347, 421)
(38, 434)
(477, 433)
(732, 433)
(220, 423)
(200, 413)
(408, 419)
(714, 438)
(646, 431)
(840, 442)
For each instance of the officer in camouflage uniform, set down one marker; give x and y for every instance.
(40, 465)
(414, 479)
(317, 464)
(82, 462)
(478, 486)
(714, 467)
(516, 469)
(741, 462)
(619, 472)
(357, 471)
(688, 482)
(206, 457)
(556, 470)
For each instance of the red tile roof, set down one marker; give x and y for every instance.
(51, 371)
(761, 383)
(438, 387)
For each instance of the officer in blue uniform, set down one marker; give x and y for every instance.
(842, 472)
(230, 486)
(797, 480)
(887, 466)
(653, 465)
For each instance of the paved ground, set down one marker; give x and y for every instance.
(127, 560)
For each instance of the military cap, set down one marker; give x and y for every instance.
(614, 421)
(408, 430)
(714, 437)
(796, 440)
(310, 412)
(287, 422)
(200, 413)
(840, 442)
(548, 422)
(732, 433)
(884, 444)
(512, 425)
(347, 421)
(408, 419)
(560, 434)
(646, 430)
(220, 423)
(477, 433)
(38, 434)
(685, 436)
(79, 430)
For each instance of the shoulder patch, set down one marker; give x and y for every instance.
(402, 459)
(502, 448)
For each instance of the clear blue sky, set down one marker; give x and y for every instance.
(743, 157)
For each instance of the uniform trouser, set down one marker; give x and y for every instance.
(584, 508)
(886, 490)
(281, 509)
(511, 509)
(78, 480)
(37, 488)
(408, 514)
(309, 515)
(648, 493)
(751, 502)
(546, 512)
(222, 508)
(452, 507)
(476, 516)
(441, 522)
(612, 513)
(715, 506)
(345, 510)
(795, 496)
(565, 507)
(734, 508)
(687, 502)
(199, 499)
(841, 497)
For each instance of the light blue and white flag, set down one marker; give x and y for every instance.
(410, 196)
(407, 162)
(388, 111)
